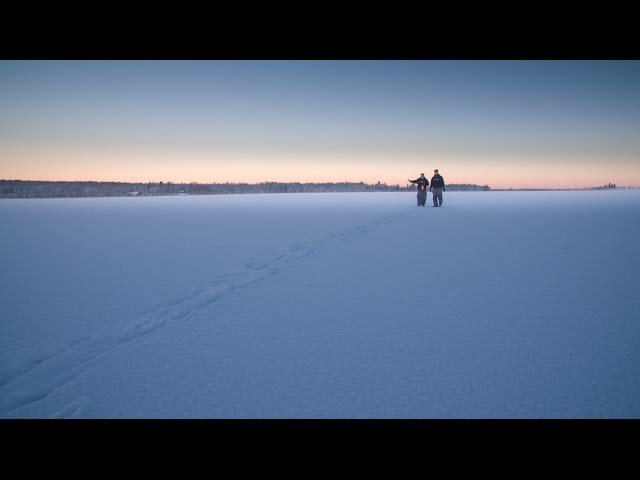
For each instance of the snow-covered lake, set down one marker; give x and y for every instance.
(497, 305)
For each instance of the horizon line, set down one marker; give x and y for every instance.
(303, 183)
(211, 183)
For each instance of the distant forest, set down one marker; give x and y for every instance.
(44, 189)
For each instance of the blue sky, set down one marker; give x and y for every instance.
(502, 123)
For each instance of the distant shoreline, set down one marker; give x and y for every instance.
(89, 189)
(93, 189)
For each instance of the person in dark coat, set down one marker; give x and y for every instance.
(436, 189)
(422, 183)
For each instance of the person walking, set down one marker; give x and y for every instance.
(422, 183)
(436, 188)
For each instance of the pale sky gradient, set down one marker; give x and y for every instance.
(549, 124)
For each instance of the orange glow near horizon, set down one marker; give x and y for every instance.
(143, 167)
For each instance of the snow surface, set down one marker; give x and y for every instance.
(354, 305)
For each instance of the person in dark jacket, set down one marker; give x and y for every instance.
(423, 183)
(436, 189)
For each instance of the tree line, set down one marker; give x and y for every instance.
(82, 189)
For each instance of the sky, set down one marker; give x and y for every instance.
(311, 305)
(506, 124)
